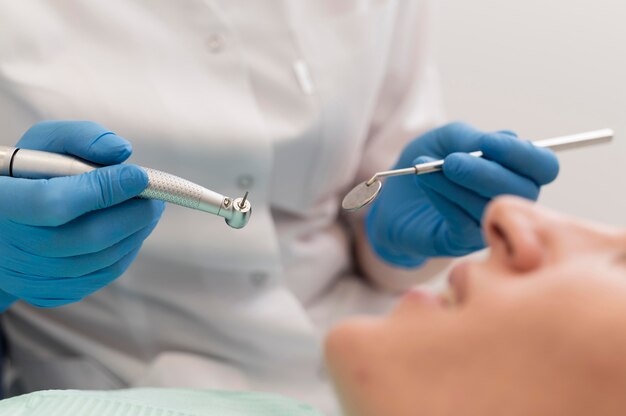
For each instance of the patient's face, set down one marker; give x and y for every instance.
(539, 328)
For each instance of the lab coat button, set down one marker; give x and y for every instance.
(245, 182)
(215, 43)
(259, 279)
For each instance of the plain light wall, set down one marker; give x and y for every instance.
(544, 68)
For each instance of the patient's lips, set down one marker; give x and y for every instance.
(453, 296)
(421, 296)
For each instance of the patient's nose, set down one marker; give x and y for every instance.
(513, 230)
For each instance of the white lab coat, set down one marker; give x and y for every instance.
(291, 100)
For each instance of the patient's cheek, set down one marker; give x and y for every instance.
(357, 361)
(343, 344)
(352, 357)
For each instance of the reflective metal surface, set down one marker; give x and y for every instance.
(361, 195)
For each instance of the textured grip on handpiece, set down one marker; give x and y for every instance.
(171, 188)
(179, 191)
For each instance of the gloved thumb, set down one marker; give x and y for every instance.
(85, 139)
(56, 201)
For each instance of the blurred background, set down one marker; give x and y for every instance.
(544, 68)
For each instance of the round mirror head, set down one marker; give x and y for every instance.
(362, 195)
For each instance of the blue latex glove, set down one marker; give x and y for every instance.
(439, 214)
(1, 363)
(64, 238)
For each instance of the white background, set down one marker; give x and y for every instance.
(544, 68)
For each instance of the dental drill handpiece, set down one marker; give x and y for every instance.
(35, 164)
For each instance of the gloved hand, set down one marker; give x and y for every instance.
(64, 238)
(439, 214)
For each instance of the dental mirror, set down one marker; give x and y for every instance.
(364, 193)
(361, 195)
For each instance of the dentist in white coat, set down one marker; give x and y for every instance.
(294, 101)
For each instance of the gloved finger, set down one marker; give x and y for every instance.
(46, 268)
(466, 199)
(487, 178)
(85, 139)
(456, 137)
(89, 233)
(6, 300)
(454, 227)
(56, 201)
(438, 143)
(73, 290)
(49, 303)
(459, 235)
(507, 132)
(455, 216)
(521, 156)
